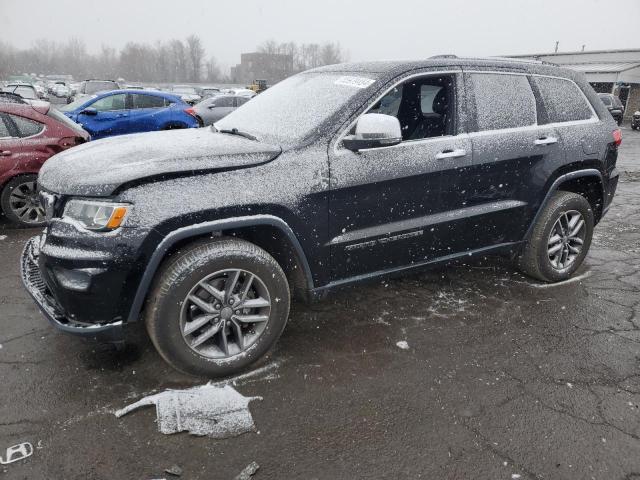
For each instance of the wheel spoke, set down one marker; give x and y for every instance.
(217, 294)
(555, 239)
(201, 304)
(577, 228)
(555, 249)
(207, 334)
(251, 318)
(255, 303)
(231, 284)
(577, 240)
(246, 286)
(197, 323)
(224, 342)
(574, 250)
(237, 330)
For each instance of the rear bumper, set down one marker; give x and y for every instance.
(37, 288)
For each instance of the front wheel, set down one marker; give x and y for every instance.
(217, 307)
(560, 239)
(20, 203)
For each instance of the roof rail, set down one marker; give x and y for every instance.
(443, 56)
(516, 60)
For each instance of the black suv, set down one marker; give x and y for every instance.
(334, 176)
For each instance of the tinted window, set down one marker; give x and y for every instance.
(26, 127)
(4, 129)
(427, 96)
(112, 102)
(606, 100)
(563, 100)
(241, 101)
(224, 102)
(502, 101)
(148, 101)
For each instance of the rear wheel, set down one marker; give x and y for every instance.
(560, 239)
(20, 203)
(217, 307)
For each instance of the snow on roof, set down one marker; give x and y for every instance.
(612, 67)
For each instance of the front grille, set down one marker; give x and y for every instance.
(32, 271)
(33, 281)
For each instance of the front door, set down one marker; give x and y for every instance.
(108, 117)
(385, 210)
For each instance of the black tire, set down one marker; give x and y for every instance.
(35, 219)
(183, 272)
(535, 260)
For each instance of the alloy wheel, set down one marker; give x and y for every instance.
(566, 239)
(225, 313)
(24, 203)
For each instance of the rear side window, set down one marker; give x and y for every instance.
(110, 102)
(224, 102)
(563, 100)
(4, 128)
(502, 101)
(26, 127)
(148, 101)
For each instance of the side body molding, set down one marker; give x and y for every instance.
(588, 172)
(210, 227)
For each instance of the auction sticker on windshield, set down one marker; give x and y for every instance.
(357, 82)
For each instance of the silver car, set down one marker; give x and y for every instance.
(213, 109)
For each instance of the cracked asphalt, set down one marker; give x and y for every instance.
(503, 378)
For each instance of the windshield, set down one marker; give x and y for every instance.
(183, 89)
(62, 118)
(93, 87)
(23, 91)
(288, 112)
(75, 104)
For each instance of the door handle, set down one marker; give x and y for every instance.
(5, 153)
(457, 153)
(546, 140)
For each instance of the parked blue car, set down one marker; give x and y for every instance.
(119, 112)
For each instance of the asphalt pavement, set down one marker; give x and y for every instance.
(501, 377)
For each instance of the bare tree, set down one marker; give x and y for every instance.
(196, 53)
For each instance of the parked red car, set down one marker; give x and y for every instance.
(30, 133)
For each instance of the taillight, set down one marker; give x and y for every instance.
(67, 142)
(190, 111)
(617, 137)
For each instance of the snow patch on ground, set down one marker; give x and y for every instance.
(218, 412)
(3, 237)
(403, 345)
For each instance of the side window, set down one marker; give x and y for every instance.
(4, 127)
(502, 101)
(562, 99)
(111, 102)
(241, 101)
(424, 106)
(148, 101)
(26, 127)
(224, 102)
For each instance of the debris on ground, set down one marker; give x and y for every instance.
(248, 472)
(218, 412)
(174, 470)
(17, 453)
(2, 237)
(403, 345)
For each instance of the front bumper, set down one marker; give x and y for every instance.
(39, 291)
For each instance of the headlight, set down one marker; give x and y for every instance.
(96, 215)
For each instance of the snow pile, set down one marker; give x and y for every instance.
(218, 412)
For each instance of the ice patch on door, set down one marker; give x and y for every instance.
(218, 412)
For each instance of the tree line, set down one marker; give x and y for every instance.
(171, 61)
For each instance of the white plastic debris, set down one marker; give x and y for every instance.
(403, 345)
(248, 471)
(218, 412)
(16, 453)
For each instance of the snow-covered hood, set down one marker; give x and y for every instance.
(99, 168)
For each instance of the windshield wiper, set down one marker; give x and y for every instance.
(235, 131)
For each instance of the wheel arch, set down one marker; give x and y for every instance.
(587, 182)
(268, 232)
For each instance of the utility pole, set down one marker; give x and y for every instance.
(557, 43)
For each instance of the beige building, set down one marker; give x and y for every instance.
(608, 71)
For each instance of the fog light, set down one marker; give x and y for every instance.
(78, 280)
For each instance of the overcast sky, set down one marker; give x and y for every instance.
(367, 29)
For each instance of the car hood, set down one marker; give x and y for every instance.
(99, 168)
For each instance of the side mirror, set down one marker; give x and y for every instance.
(89, 111)
(374, 130)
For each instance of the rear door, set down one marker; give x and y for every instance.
(146, 112)
(385, 208)
(27, 147)
(10, 147)
(111, 117)
(512, 156)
